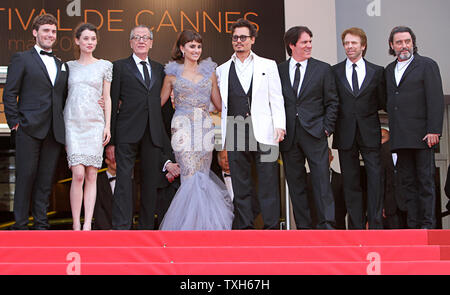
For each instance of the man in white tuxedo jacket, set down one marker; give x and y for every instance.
(253, 123)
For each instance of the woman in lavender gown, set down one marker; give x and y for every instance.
(202, 201)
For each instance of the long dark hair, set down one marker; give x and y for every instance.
(402, 29)
(184, 37)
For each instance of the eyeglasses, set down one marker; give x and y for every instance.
(235, 38)
(138, 38)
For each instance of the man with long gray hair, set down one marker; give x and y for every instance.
(415, 104)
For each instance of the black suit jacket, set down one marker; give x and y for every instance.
(361, 110)
(39, 101)
(140, 105)
(416, 106)
(316, 105)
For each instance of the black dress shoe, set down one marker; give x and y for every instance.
(40, 228)
(15, 226)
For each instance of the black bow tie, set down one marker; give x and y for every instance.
(112, 178)
(226, 175)
(46, 53)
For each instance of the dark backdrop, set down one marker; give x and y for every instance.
(115, 18)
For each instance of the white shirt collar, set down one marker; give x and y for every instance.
(137, 60)
(359, 64)
(293, 62)
(38, 49)
(109, 174)
(251, 57)
(402, 64)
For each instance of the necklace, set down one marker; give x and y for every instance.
(401, 65)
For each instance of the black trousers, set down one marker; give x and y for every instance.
(417, 171)
(396, 220)
(353, 190)
(268, 192)
(36, 161)
(123, 204)
(315, 150)
(103, 203)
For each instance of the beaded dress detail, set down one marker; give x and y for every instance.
(84, 119)
(202, 202)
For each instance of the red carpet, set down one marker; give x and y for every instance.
(225, 252)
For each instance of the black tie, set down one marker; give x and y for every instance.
(46, 53)
(112, 178)
(146, 74)
(355, 81)
(226, 175)
(296, 78)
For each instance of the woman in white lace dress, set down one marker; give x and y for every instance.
(87, 124)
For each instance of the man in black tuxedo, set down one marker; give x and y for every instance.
(168, 183)
(415, 105)
(311, 105)
(39, 80)
(106, 182)
(221, 168)
(137, 128)
(361, 90)
(394, 209)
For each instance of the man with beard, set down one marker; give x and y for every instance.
(252, 104)
(415, 104)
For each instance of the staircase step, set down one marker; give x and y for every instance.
(250, 252)
(439, 237)
(217, 254)
(243, 268)
(212, 238)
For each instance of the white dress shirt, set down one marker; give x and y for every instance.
(400, 69)
(394, 158)
(229, 185)
(360, 70)
(244, 70)
(112, 183)
(137, 60)
(49, 63)
(293, 67)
